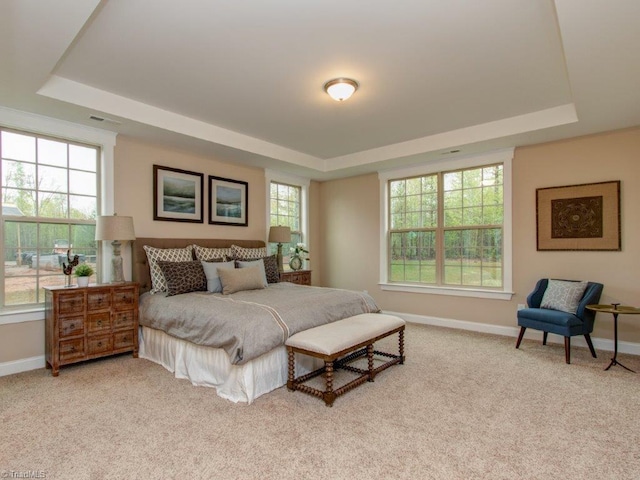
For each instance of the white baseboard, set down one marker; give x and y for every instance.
(22, 365)
(579, 341)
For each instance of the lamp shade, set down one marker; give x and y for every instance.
(114, 227)
(279, 234)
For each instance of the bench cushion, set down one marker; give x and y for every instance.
(338, 336)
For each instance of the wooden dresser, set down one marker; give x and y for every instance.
(301, 277)
(82, 323)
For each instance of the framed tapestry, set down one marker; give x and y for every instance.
(579, 217)
(177, 195)
(228, 201)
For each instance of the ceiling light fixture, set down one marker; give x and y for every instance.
(340, 89)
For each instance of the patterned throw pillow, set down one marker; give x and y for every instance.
(183, 277)
(154, 255)
(563, 295)
(244, 253)
(207, 254)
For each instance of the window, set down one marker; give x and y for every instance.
(50, 199)
(448, 230)
(286, 210)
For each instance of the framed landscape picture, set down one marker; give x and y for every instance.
(228, 200)
(579, 217)
(177, 195)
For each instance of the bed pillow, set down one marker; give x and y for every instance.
(183, 277)
(208, 254)
(213, 278)
(244, 253)
(254, 263)
(270, 267)
(154, 255)
(240, 279)
(563, 295)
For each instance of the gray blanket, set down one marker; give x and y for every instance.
(250, 323)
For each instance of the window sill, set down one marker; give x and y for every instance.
(452, 291)
(21, 316)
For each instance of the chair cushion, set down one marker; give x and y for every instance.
(553, 317)
(563, 295)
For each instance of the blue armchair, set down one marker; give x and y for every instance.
(559, 322)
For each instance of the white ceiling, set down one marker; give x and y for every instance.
(242, 81)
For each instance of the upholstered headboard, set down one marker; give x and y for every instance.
(141, 272)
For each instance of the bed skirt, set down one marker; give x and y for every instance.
(211, 367)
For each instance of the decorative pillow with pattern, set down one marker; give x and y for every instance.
(213, 278)
(154, 255)
(244, 253)
(239, 279)
(563, 295)
(206, 254)
(183, 277)
(254, 263)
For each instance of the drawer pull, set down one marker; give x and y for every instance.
(99, 344)
(99, 323)
(72, 326)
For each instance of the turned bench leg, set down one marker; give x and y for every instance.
(292, 376)
(329, 395)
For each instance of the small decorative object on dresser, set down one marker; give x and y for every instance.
(90, 322)
(298, 254)
(83, 272)
(300, 277)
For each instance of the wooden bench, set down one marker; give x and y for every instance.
(339, 344)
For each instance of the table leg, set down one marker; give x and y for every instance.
(614, 360)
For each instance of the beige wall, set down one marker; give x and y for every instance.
(344, 230)
(350, 221)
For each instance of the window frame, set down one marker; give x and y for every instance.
(505, 157)
(272, 176)
(73, 133)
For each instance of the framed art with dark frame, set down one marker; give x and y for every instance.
(228, 201)
(579, 217)
(177, 195)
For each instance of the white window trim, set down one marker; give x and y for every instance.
(303, 183)
(38, 124)
(499, 156)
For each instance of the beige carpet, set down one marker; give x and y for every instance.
(464, 406)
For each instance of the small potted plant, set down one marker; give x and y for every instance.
(83, 272)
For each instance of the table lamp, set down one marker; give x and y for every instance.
(118, 229)
(279, 235)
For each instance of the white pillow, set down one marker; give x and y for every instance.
(158, 282)
(213, 278)
(563, 295)
(255, 263)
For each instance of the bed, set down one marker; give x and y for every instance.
(233, 343)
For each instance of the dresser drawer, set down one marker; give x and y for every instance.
(123, 339)
(100, 344)
(98, 300)
(124, 298)
(123, 320)
(97, 322)
(71, 326)
(69, 303)
(71, 349)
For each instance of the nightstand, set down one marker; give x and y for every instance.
(82, 323)
(301, 277)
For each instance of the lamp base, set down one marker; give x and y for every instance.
(279, 258)
(117, 274)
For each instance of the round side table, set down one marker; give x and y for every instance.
(615, 309)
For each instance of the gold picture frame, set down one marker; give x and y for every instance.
(579, 217)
